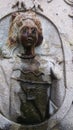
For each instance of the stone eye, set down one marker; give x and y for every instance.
(25, 30)
(34, 30)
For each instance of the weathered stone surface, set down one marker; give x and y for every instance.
(58, 49)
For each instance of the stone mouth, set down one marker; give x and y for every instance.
(30, 39)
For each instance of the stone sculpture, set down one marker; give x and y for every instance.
(27, 76)
(21, 5)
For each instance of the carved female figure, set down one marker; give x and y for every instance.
(29, 76)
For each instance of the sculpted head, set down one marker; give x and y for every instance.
(25, 29)
(29, 34)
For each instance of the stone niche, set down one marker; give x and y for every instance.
(35, 90)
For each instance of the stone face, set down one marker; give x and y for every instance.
(54, 52)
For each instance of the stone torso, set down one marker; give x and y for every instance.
(33, 91)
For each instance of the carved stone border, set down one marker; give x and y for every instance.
(71, 16)
(69, 2)
(63, 110)
(49, 1)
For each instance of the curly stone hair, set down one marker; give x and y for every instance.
(17, 21)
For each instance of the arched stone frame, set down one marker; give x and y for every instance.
(69, 2)
(66, 101)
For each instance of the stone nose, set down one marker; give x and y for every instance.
(29, 32)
